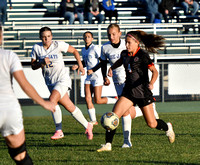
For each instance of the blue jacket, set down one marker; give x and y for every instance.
(108, 5)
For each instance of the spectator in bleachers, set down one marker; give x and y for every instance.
(109, 9)
(151, 9)
(69, 11)
(166, 8)
(187, 5)
(92, 9)
(3, 10)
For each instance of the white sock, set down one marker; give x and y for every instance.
(155, 112)
(78, 115)
(92, 114)
(138, 112)
(57, 117)
(126, 125)
(111, 100)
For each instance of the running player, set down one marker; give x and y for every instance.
(137, 89)
(48, 56)
(11, 121)
(111, 51)
(93, 82)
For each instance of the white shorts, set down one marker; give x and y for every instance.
(119, 88)
(11, 121)
(62, 89)
(94, 80)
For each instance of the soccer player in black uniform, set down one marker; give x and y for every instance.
(137, 90)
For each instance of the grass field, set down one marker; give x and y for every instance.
(150, 146)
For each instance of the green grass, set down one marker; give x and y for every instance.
(150, 146)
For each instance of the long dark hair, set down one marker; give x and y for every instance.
(152, 42)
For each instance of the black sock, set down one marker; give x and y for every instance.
(109, 135)
(161, 125)
(26, 161)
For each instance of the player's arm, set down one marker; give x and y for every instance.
(36, 65)
(104, 72)
(72, 50)
(94, 69)
(74, 67)
(31, 92)
(154, 76)
(117, 64)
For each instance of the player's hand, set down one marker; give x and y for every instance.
(110, 73)
(47, 60)
(151, 86)
(89, 72)
(106, 81)
(49, 106)
(82, 70)
(74, 67)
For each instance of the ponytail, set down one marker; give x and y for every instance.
(151, 42)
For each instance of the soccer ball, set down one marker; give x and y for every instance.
(109, 121)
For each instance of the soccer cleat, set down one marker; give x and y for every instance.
(94, 122)
(127, 145)
(58, 135)
(170, 133)
(105, 147)
(88, 131)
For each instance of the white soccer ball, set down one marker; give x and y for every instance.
(109, 121)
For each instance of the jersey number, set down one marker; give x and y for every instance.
(49, 65)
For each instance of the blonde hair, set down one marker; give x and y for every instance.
(152, 42)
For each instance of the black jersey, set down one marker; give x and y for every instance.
(137, 79)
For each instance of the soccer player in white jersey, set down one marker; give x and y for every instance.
(111, 51)
(93, 82)
(48, 56)
(11, 121)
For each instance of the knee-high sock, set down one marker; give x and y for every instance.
(155, 112)
(92, 114)
(78, 115)
(110, 135)
(57, 117)
(138, 112)
(126, 125)
(111, 100)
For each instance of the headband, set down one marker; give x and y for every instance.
(133, 38)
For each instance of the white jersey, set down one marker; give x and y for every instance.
(9, 63)
(113, 54)
(55, 72)
(91, 59)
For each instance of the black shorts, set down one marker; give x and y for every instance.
(141, 102)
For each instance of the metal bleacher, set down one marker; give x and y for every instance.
(21, 31)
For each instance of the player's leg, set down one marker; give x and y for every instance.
(77, 114)
(90, 105)
(126, 119)
(57, 115)
(126, 126)
(17, 148)
(122, 105)
(102, 100)
(159, 124)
